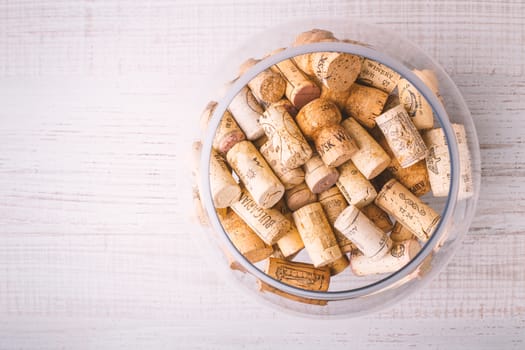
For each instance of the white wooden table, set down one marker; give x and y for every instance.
(95, 247)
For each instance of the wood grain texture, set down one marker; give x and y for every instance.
(95, 120)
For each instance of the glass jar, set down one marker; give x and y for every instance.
(347, 296)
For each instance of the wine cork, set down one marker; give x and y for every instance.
(255, 174)
(287, 105)
(337, 97)
(357, 190)
(367, 237)
(319, 120)
(291, 242)
(299, 196)
(318, 176)
(402, 137)
(408, 209)
(371, 159)
(415, 104)
(414, 177)
(339, 265)
(206, 115)
(269, 224)
(224, 189)
(289, 177)
(333, 204)
(312, 36)
(378, 217)
(378, 75)
(244, 239)
(400, 233)
(399, 255)
(335, 70)
(201, 216)
(300, 275)
(285, 137)
(299, 89)
(258, 143)
(365, 103)
(317, 234)
(268, 86)
(227, 134)
(246, 111)
(438, 162)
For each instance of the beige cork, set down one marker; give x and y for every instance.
(255, 174)
(201, 217)
(407, 209)
(365, 103)
(414, 177)
(206, 115)
(291, 242)
(299, 88)
(399, 255)
(402, 137)
(400, 233)
(268, 86)
(416, 105)
(339, 265)
(318, 176)
(304, 62)
(438, 162)
(319, 120)
(258, 143)
(289, 177)
(287, 105)
(356, 189)
(300, 275)
(299, 196)
(337, 97)
(335, 70)
(269, 224)
(333, 204)
(245, 240)
(371, 159)
(378, 75)
(367, 237)
(246, 111)
(224, 189)
(317, 234)
(285, 137)
(227, 134)
(378, 217)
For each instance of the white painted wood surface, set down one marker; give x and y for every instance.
(95, 247)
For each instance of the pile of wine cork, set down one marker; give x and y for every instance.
(329, 153)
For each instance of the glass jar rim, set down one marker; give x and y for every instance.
(368, 52)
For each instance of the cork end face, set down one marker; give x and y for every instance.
(378, 169)
(325, 182)
(342, 72)
(257, 255)
(304, 94)
(346, 218)
(270, 197)
(273, 88)
(226, 196)
(229, 140)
